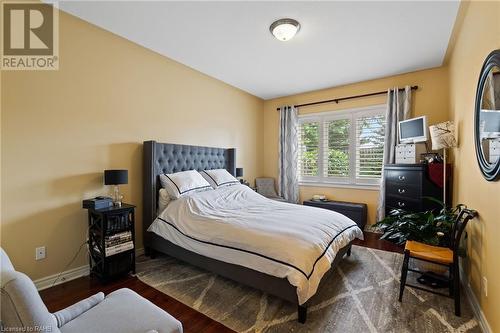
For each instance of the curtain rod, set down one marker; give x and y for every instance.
(337, 100)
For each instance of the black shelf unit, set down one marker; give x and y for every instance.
(108, 222)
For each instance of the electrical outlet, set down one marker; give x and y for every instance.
(40, 253)
(485, 286)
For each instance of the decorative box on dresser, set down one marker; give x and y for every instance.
(111, 241)
(407, 185)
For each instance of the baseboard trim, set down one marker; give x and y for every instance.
(139, 252)
(474, 303)
(71, 274)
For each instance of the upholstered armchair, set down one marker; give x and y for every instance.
(266, 187)
(23, 310)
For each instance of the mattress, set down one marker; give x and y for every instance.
(236, 225)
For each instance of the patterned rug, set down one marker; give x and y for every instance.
(361, 296)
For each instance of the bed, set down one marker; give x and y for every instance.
(280, 277)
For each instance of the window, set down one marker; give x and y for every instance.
(309, 149)
(342, 147)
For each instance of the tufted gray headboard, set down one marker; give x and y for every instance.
(162, 158)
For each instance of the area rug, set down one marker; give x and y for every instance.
(360, 296)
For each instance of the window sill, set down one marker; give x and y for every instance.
(369, 187)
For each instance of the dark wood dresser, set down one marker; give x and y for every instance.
(407, 185)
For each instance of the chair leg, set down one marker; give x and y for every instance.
(456, 289)
(451, 283)
(404, 272)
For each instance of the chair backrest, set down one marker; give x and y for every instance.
(5, 263)
(265, 186)
(21, 305)
(464, 216)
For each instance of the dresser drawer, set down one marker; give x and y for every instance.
(393, 202)
(401, 177)
(403, 190)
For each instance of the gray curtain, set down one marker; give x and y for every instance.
(488, 101)
(288, 183)
(398, 108)
(491, 95)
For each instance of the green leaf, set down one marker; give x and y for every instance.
(400, 226)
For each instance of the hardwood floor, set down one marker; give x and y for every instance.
(373, 241)
(65, 294)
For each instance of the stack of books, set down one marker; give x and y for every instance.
(118, 243)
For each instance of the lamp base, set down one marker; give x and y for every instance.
(117, 197)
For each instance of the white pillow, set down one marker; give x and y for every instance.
(163, 200)
(219, 178)
(183, 183)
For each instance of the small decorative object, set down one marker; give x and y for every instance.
(443, 137)
(97, 203)
(319, 197)
(116, 177)
(432, 158)
(409, 153)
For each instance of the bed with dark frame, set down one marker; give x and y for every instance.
(160, 158)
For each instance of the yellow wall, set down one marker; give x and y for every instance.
(477, 34)
(61, 129)
(430, 99)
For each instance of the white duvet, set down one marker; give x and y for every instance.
(234, 224)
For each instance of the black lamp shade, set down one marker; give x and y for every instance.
(239, 172)
(115, 177)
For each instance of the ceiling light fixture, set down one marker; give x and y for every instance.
(284, 29)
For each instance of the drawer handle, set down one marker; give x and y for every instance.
(401, 190)
(401, 177)
(401, 204)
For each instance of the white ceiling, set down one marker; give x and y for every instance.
(339, 42)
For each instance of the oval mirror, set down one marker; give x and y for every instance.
(487, 118)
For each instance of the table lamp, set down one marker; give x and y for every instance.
(443, 137)
(239, 172)
(116, 177)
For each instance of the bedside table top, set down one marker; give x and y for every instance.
(124, 206)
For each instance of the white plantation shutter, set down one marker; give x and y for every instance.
(309, 138)
(342, 147)
(370, 132)
(336, 148)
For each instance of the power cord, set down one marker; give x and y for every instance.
(73, 259)
(67, 266)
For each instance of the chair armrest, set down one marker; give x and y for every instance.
(71, 312)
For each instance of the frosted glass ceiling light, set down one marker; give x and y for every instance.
(284, 29)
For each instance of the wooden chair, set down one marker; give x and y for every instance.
(439, 255)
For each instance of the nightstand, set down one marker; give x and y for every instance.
(355, 211)
(111, 241)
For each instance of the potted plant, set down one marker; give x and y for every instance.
(431, 227)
